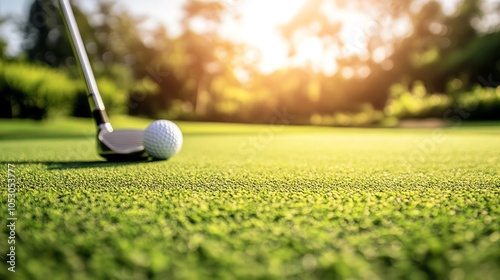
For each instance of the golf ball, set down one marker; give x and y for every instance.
(162, 139)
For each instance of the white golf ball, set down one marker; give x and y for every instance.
(162, 139)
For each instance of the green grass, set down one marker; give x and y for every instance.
(260, 202)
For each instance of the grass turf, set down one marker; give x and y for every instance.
(253, 201)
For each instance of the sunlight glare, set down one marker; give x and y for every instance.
(259, 27)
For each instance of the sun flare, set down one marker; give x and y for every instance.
(260, 24)
(259, 27)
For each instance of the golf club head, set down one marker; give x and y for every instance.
(121, 145)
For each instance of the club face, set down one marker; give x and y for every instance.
(121, 145)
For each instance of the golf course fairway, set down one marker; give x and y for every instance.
(254, 202)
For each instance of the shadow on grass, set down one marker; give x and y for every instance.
(62, 165)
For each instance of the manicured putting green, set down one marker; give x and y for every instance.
(261, 202)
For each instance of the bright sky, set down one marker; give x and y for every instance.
(258, 27)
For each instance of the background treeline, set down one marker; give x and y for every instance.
(447, 67)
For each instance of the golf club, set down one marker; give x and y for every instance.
(113, 145)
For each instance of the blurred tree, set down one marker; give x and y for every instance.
(439, 48)
(200, 46)
(5, 102)
(3, 43)
(200, 74)
(446, 47)
(464, 52)
(202, 43)
(113, 44)
(45, 36)
(367, 81)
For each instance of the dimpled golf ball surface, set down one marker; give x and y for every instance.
(162, 139)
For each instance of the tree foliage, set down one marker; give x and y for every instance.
(200, 74)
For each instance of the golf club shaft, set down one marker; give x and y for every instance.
(96, 104)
